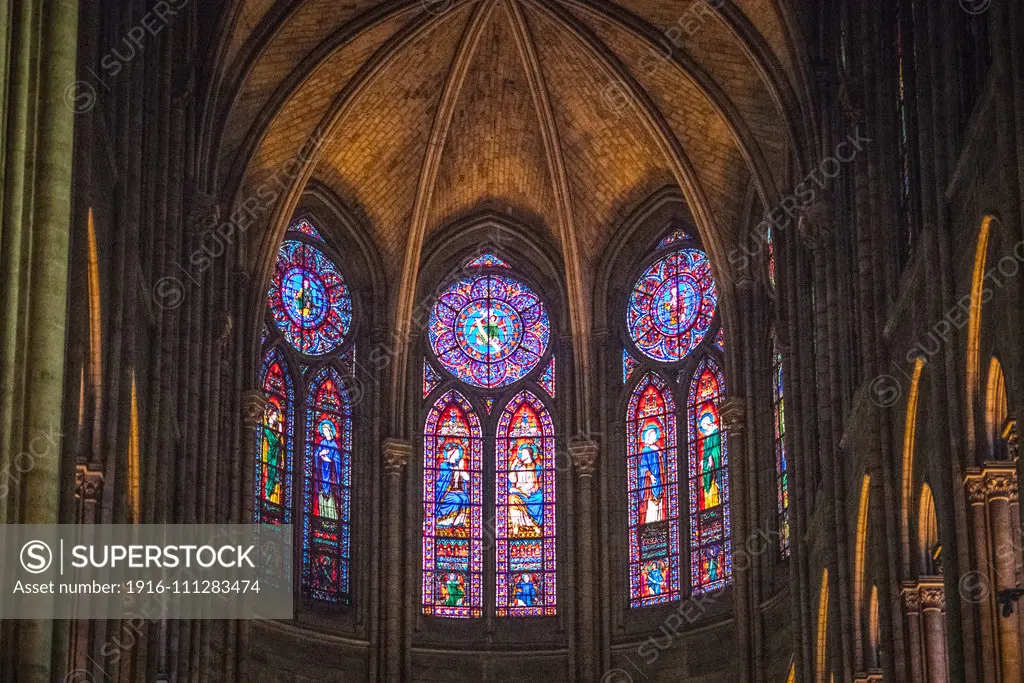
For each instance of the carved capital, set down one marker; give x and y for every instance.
(88, 483)
(584, 456)
(911, 598)
(396, 455)
(1001, 482)
(254, 404)
(734, 414)
(1010, 439)
(933, 597)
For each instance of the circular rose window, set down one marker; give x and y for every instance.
(309, 299)
(489, 330)
(672, 305)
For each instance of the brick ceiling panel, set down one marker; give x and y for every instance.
(703, 132)
(301, 112)
(374, 162)
(609, 157)
(715, 49)
(302, 30)
(494, 155)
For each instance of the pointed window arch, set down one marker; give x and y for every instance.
(525, 508)
(309, 321)
(327, 495)
(452, 509)
(710, 533)
(274, 442)
(489, 359)
(653, 486)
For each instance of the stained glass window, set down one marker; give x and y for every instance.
(489, 330)
(431, 378)
(452, 509)
(672, 305)
(309, 300)
(781, 466)
(306, 228)
(489, 403)
(628, 365)
(770, 244)
(525, 509)
(653, 494)
(273, 444)
(487, 260)
(327, 496)
(710, 539)
(677, 235)
(547, 378)
(720, 339)
(310, 305)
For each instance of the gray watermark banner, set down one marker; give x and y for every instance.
(153, 571)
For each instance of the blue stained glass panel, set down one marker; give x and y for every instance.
(628, 365)
(327, 495)
(431, 378)
(547, 378)
(672, 305)
(710, 531)
(274, 444)
(487, 260)
(309, 300)
(489, 330)
(306, 228)
(452, 510)
(653, 493)
(525, 509)
(677, 235)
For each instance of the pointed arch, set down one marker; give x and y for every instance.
(452, 509)
(974, 326)
(928, 533)
(710, 531)
(909, 433)
(274, 443)
(327, 489)
(653, 491)
(524, 492)
(860, 563)
(821, 649)
(996, 410)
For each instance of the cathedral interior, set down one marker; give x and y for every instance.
(575, 340)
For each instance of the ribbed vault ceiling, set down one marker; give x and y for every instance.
(538, 121)
(564, 114)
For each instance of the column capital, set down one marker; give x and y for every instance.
(584, 456)
(396, 455)
(733, 411)
(254, 405)
(88, 483)
(1001, 481)
(975, 485)
(911, 598)
(933, 597)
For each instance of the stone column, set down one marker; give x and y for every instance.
(933, 606)
(915, 655)
(254, 405)
(583, 453)
(38, 68)
(734, 414)
(1001, 489)
(396, 458)
(975, 485)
